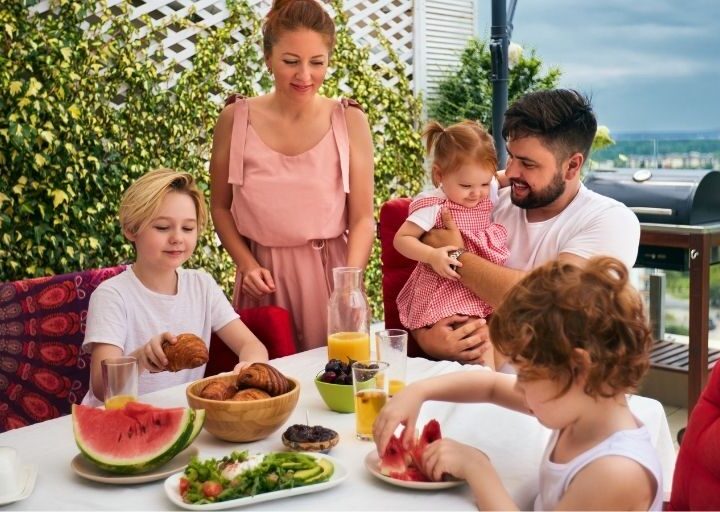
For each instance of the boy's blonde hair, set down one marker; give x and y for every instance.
(451, 147)
(141, 201)
(559, 307)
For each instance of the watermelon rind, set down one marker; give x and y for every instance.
(197, 426)
(149, 460)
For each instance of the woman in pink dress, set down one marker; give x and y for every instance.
(292, 177)
(464, 165)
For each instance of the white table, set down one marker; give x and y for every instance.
(513, 441)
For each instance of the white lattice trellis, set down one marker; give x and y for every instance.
(394, 18)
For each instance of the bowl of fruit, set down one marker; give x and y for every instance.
(334, 384)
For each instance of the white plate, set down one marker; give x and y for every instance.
(172, 489)
(372, 463)
(87, 469)
(28, 474)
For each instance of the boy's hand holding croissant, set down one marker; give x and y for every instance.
(173, 353)
(151, 356)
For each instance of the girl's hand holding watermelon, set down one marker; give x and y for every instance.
(401, 409)
(449, 457)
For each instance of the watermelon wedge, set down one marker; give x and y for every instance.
(135, 439)
(405, 464)
(197, 426)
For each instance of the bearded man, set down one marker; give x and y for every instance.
(547, 211)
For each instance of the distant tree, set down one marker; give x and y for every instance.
(467, 92)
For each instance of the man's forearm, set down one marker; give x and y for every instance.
(487, 280)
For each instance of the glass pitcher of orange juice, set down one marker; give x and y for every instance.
(348, 317)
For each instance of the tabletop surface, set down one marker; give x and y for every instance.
(513, 441)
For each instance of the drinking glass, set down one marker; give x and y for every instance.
(120, 381)
(391, 347)
(370, 387)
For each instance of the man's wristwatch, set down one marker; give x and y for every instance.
(455, 255)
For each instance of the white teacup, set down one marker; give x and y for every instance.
(9, 472)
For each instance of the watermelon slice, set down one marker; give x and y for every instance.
(197, 426)
(405, 464)
(135, 439)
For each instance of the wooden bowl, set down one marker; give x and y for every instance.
(242, 422)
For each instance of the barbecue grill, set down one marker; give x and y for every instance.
(679, 213)
(677, 197)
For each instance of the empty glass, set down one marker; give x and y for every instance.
(391, 347)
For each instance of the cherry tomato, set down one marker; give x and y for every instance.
(184, 484)
(211, 489)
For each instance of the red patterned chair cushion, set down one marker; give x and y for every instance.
(396, 268)
(42, 325)
(696, 481)
(271, 324)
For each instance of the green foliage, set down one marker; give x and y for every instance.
(86, 111)
(467, 93)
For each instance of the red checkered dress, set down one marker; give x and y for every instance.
(427, 297)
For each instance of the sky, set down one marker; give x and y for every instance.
(649, 65)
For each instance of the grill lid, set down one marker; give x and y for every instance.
(665, 196)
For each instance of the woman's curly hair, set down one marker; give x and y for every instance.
(559, 307)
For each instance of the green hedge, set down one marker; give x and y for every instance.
(83, 113)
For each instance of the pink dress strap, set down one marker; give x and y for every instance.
(237, 144)
(342, 140)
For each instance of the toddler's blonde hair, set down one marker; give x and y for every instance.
(141, 201)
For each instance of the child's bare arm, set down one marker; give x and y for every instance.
(407, 242)
(461, 387)
(243, 342)
(100, 351)
(626, 485)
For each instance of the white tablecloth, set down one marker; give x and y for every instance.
(513, 441)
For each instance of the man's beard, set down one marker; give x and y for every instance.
(539, 198)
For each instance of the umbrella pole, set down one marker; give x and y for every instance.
(500, 33)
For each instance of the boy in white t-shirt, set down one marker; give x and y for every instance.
(155, 299)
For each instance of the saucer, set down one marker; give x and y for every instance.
(28, 475)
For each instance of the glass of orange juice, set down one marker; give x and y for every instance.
(349, 345)
(370, 387)
(120, 381)
(391, 346)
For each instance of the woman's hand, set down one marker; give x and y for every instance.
(449, 457)
(258, 282)
(151, 356)
(402, 409)
(441, 262)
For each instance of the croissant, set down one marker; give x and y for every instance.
(263, 376)
(189, 352)
(217, 390)
(250, 394)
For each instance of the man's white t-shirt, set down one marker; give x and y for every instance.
(591, 225)
(123, 312)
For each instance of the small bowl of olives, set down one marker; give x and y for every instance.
(334, 384)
